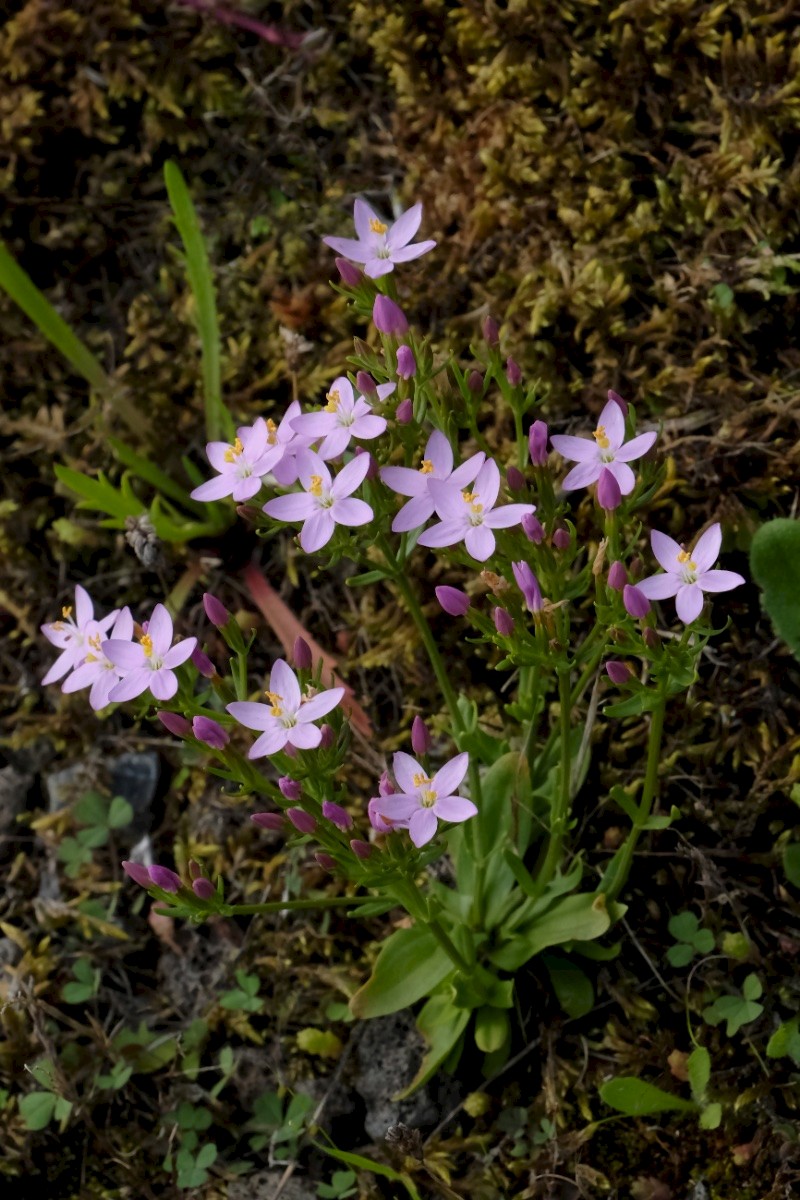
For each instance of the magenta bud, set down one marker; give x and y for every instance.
(361, 849)
(210, 732)
(405, 412)
(561, 539)
(532, 528)
(372, 469)
(385, 785)
(166, 879)
(203, 663)
(301, 654)
(537, 443)
(609, 496)
(475, 382)
(375, 818)
(137, 872)
(513, 373)
(175, 723)
(349, 275)
(289, 788)
(617, 672)
(302, 821)
(454, 602)
(267, 820)
(617, 577)
(528, 584)
(216, 611)
(328, 737)
(388, 317)
(516, 480)
(503, 622)
(491, 332)
(420, 737)
(203, 888)
(406, 363)
(366, 384)
(334, 812)
(325, 861)
(195, 870)
(636, 603)
(618, 400)
(651, 638)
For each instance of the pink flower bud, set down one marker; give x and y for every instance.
(195, 870)
(528, 584)
(503, 622)
(210, 732)
(618, 400)
(167, 880)
(617, 672)
(372, 469)
(137, 872)
(203, 888)
(617, 577)
(361, 849)
(420, 737)
(203, 663)
(350, 275)
(375, 818)
(516, 480)
(301, 654)
(609, 496)
(404, 412)
(475, 382)
(289, 788)
(651, 638)
(454, 602)
(636, 603)
(302, 821)
(366, 384)
(325, 861)
(175, 723)
(532, 528)
(385, 785)
(267, 820)
(513, 373)
(388, 317)
(334, 812)
(406, 363)
(561, 539)
(491, 332)
(216, 611)
(537, 443)
(328, 737)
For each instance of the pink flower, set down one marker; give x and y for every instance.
(241, 465)
(381, 246)
(344, 416)
(606, 449)
(288, 718)
(423, 801)
(97, 671)
(470, 516)
(688, 574)
(69, 635)
(325, 502)
(388, 317)
(149, 662)
(285, 469)
(437, 463)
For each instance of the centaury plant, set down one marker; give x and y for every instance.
(561, 614)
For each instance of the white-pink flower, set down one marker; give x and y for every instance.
(97, 671)
(437, 463)
(149, 662)
(324, 502)
(605, 449)
(285, 469)
(688, 573)
(344, 416)
(423, 801)
(380, 245)
(288, 717)
(470, 516)
(69, 634)
(241, 464)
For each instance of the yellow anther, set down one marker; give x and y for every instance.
(427, 798)
(427, 467)
(233, 452)
(420, 779)
(91, 658)
(377, 226)
(146, 642)
(315, 487)
(94, 641)
(685, 557)
(601, 437)
(334, 399)
(58, 626)
(468, 497)
(272, 431)
(66, 611)
(276, 701)
(472, 498)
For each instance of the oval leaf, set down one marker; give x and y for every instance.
(410, 965)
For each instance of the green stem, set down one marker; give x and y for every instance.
(449, 947)
(559, 815)
(522, 445)
(246, 910)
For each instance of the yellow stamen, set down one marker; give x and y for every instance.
(377, 226)
(420, 779)
(146, 642)
(91, 658)
(233, 452)
(334, 399)
(471, 498)
(275, 700)
(315, 487)
(66, 611)
(94, 641)
(427, 467)
(685, 557)
(272, 431)
(58, 625)
(601, 437)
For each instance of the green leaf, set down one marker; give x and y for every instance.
(365, 578)
(368, 1164)
(736, 1011)
(680, 954)
(99, 495)
(636, 1098)
(703, 941)
(582, 917)
(37, 1109)
(492, 1028)
(785, 1041)
(791, 863)
(698, 1067)
(91, 809)
(410, 965)
(442, 1025)
(775, 565)
(147, 470)
(752, 988)
(120, 813)
(573, 988)
(207, 1155)
(711, 1116)
(683, 926)
(321, 1042)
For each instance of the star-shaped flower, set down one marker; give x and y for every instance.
(437, 463)
(324, 502)
(379, 245)
(288, 717)
(149, 662)
(605, 449)
(470, 516)
(97, 671)
(344, 416)
(688, 573)
(422, 802)
(242, 464)
(69, 634)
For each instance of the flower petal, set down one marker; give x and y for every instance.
(305, 737)
(363, 213)
(127, 655)
(454, 808)
(350, 477)
(659, 587)
(706, 552)
(214, 489)
(448, 777)
(159, 630)
(132, 685)
(317, 531)
(404, 228)
(413, 514)
(314, 425)
(636, 447)
(368, 427)
(507, 515)
(163, 683)
(487, 484)
(319, 705)
(283, 681)
(251, 715)
(666, 550)
(296, 506)
(405, 768)
(83, 677)
(349, 248)
(422, 826)
(689, 602)
(468, 470)
(407, 253)
(65, 661)
(439, 453)
(447, 499)
(398, 807)
(446, 533)
(623, 475)
(375, 267)
(270, 742)
(719, 581)
(582, 475)
(613, 421)
(576, 449)
(179, 653)
(480, 542)
(335, 444)
(310, 464)
(405, 481)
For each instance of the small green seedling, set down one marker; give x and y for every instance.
(342, 1184)
(245, 997)
(85, 985)
(100, 817)
(690, 938)
(736, 1010)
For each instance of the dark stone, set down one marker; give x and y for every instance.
(15, 789)
(135, 777)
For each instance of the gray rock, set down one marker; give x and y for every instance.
(263, 1185)
(69, 784)
(15, 788)
(135, 777)
(699, 1192)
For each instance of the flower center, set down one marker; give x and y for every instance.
(475, 508)
(427, 467)
(276, 701)
(377, 226)
(334, 400)
(685, 557)
(94, 641)
(233, 452)
(315, 487)
(427, 797)
(272, 432)
(146, 642)
(601, 437)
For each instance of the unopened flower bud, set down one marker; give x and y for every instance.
(366, 384)
(375, 818)
(406, 363)
(325, 861)
(475, 382)
(532, 528)
(166, 879)
(203, 888)
(175, 723)
(289, 788)
(617, 671)
(609, 496)
(420, 737)
(385, 785)
(513, 373)
(561, 539)
(528, 584)
(267, 820)
(335, 813)
(302, 821)
(404, 412)
(372, 469)
(537, 443)
(328, 737)
(195, 870)
(651, 638)
(137, 872)
(216, 611)
(618, 400)
(210, 732)
(454, 602)
(203, 663)
(617, 577)
(636, 603)
(491, 332)
(388, 317)
(361, 849)
(350, 275)
(503, 622)
(515, 478)
(301, 654)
